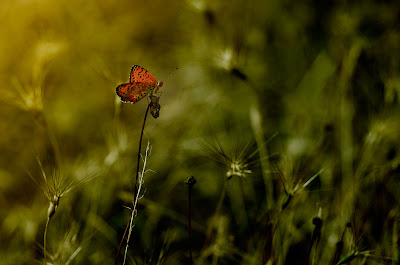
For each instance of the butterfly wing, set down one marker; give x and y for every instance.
(139, 74)
(133, 92)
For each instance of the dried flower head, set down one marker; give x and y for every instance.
(27, 93)
(57, 185)
(237, 161)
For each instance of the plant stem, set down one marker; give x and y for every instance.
(136, 184)
(190, 225)
(53, 194)
(122, 240)
(135, 202)
(138, 158)
(45, 240)
(190, 182)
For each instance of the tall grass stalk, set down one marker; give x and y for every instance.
(256, 123)
(349, 179)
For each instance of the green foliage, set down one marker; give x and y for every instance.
(297, 103)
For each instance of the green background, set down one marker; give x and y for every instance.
(274, 91)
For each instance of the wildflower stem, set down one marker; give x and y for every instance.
(138, 159)
(190, 182)
(136, 185)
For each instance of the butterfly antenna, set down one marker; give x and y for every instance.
(170, 73)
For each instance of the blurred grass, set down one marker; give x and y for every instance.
(316, 85)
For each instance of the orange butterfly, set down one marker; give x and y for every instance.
(141, 84)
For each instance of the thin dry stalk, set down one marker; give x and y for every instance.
(136, 183)
(137, 197)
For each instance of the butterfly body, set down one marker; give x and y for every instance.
(141, 84)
